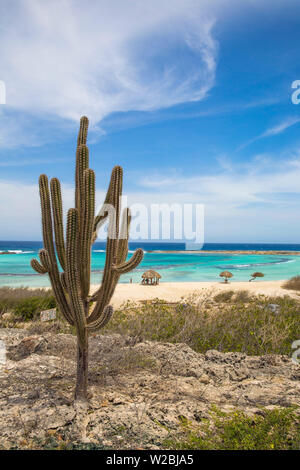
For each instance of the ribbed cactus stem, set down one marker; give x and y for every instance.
(72, 275)
(58, 220)
(71, 287)
(86, 231)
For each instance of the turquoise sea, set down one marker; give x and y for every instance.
(15, 269)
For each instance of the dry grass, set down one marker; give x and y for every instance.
(229, 321)
(293, 283)
(251, 327)
(240, 296)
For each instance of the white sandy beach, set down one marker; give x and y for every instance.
(173, 291)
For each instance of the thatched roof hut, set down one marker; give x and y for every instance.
(151, 277)
(227, 275)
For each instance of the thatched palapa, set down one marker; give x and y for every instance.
(151, 277)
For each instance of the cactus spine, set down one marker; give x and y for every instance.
(71, 287)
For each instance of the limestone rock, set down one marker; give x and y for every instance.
(136, 406)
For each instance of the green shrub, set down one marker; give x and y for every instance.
(277, 429)
(25, 303)
(28, 309)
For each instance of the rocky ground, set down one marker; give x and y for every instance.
(139, 392)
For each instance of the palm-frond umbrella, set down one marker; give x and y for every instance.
(227, 275)
(255, 275)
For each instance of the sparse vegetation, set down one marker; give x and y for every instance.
(249, 327)
(233, 321)
(242, 296)
(229, 321)
(293, 283)
(277, 429)
(225, 296)
(234, 297)
(25, 303)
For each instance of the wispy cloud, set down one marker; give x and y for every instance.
(278, 129)
(64, 59)
(232, 186)
(291, 121)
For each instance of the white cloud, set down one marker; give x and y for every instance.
(65, 58)
(21, 216)
(258, 203)
(249, 183)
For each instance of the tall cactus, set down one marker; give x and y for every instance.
(71, 283)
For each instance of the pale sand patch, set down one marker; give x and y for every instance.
(173, 291)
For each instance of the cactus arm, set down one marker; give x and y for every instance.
(87, 231)
(130, 264)
(109, 279)
(102, 320)
(45, 259)
(45, 265)
(58, 221)
(98, 222)
(116, 173)
(121, 256)
(38, 267)
(49, 246)
(102, 214)
(122, 265)
(123, 240)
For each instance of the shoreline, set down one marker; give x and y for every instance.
(229, 252)
(175, 291)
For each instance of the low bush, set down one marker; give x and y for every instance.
(233, 297)
(293, 283)
(25, 303)
(250, 328)
(225, 296)
(277, 429)
(28, 309)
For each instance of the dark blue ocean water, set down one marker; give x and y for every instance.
(148, 246)
(15, 269)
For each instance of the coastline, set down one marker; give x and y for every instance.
(174, 291)
(230, 252)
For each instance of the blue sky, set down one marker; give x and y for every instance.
(192, 98)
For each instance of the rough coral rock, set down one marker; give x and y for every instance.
(139, 392)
